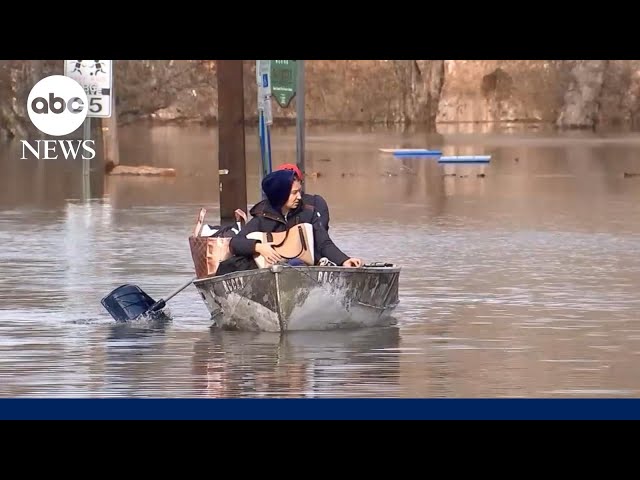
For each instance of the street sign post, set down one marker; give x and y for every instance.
(287, 83)
(300, 116)
(283, 81)
(265, 115)
(96, 77)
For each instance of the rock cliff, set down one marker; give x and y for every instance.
(564, 93)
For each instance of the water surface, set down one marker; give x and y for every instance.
(519, 278)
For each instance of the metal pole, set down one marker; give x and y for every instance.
(261, 138)
(265, 116)
(300, 117)
(86, 163)
(86, 135)
(268, 147)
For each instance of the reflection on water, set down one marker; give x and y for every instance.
(298, 364)
(519, 277)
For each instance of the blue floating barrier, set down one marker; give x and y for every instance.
(465, 159)
(413, 152)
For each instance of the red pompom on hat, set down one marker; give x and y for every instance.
(291, 166)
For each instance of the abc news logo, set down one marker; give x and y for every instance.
(57, 106)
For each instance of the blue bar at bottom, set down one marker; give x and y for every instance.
(321, 409)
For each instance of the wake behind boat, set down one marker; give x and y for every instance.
(282, 298)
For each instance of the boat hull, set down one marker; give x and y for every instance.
(283, 298)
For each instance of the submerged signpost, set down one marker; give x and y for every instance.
(265, 114)
(96, 77)
(282, 80)
(300, 117)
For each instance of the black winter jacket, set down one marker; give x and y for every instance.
(316, 201)
(320, 204)
(267, 219)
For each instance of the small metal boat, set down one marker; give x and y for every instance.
(282, 297)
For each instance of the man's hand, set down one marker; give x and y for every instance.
(271, 256)
(352, 262)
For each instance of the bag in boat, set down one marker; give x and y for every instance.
(210, 246)
(296, 242)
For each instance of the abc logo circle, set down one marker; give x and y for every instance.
(57, 105)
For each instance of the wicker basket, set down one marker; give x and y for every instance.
(207, 252)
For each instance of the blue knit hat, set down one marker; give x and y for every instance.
(277, 187)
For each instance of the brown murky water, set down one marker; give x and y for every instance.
(521, 282)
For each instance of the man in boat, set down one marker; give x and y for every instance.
(309, 201)
(283, 208)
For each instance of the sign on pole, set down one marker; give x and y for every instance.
(263, 78)
(96, 77)
(265, 114)
(283, 81)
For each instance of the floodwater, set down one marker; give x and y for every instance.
(520, 278)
